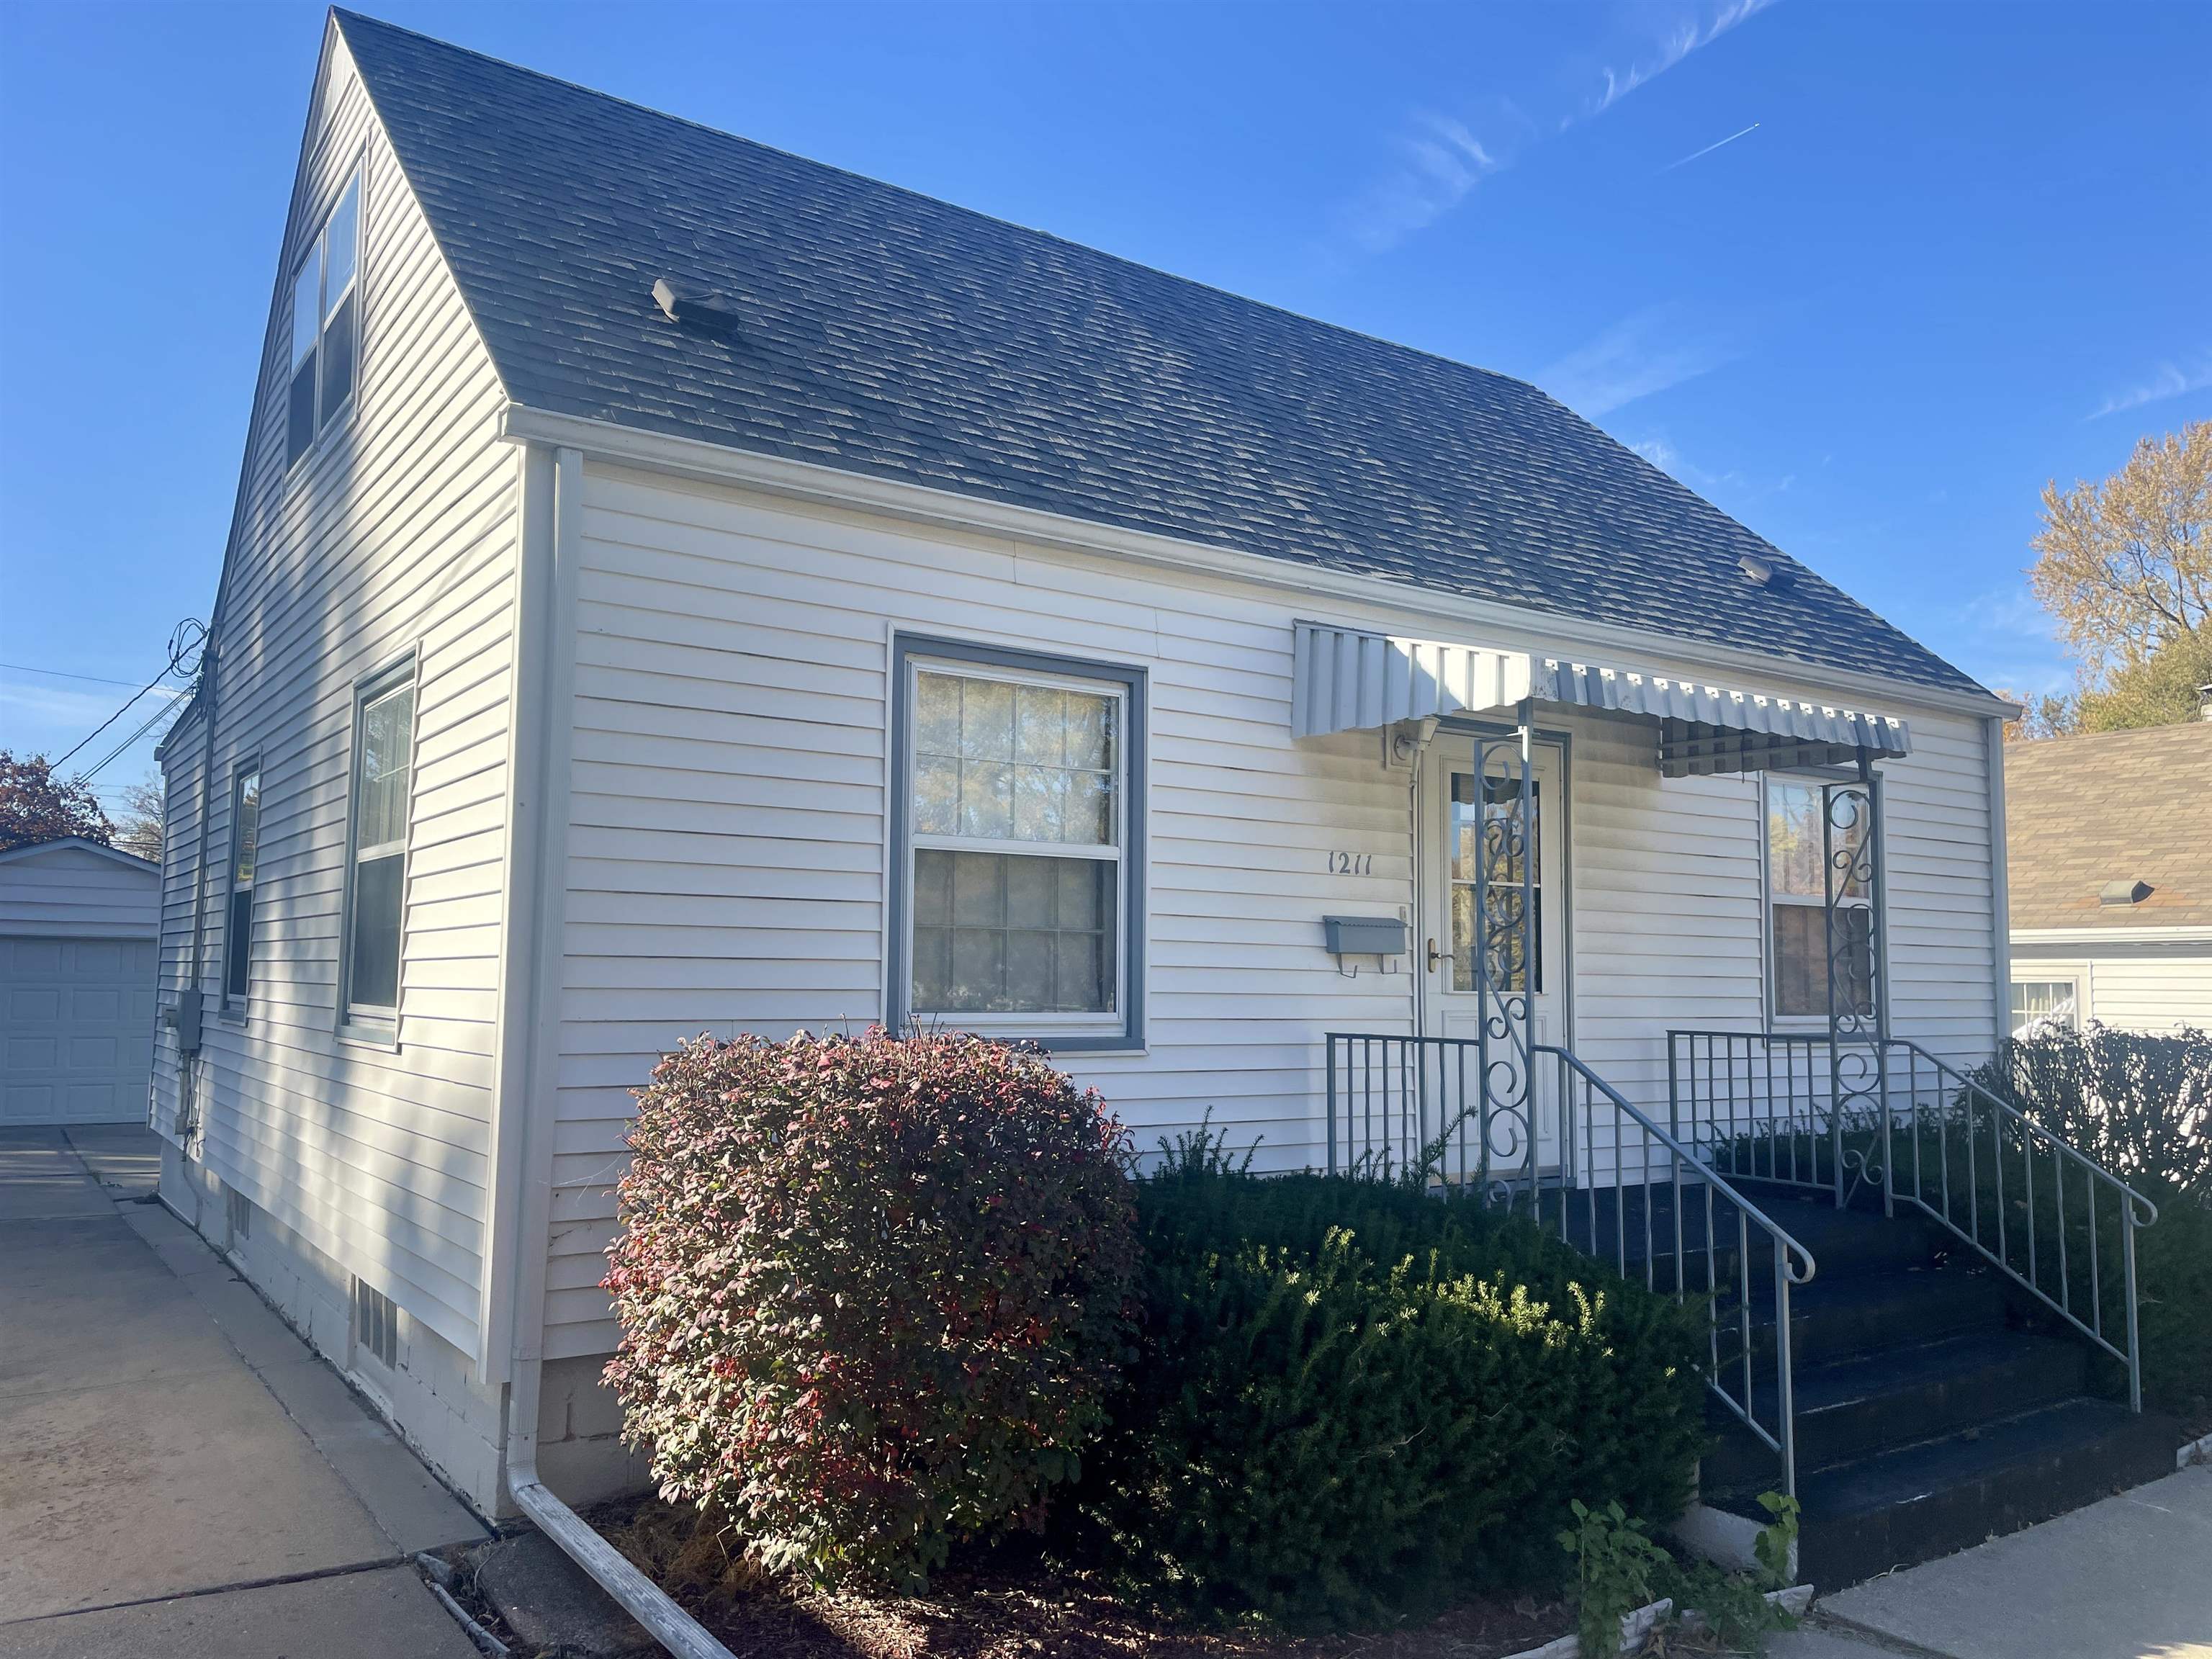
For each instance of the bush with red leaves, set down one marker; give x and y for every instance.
(873, 1291)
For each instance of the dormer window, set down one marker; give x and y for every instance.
(325, 327)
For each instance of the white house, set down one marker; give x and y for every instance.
(2110, 852)
(678, 587)
(79, 930)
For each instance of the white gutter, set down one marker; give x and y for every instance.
(529, 1042)
(1409, 605)
(2111, 935)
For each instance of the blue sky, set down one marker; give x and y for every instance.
(1865, 275)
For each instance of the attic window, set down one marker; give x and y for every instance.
(325, 326)
(2123, 892)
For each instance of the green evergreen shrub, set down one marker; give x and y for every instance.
(872, 1292)
(1353, 1400)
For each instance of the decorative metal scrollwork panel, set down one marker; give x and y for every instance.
(1859, 1104)
(1505, 962)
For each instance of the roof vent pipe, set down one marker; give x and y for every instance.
(1763, 572)
(689, 306)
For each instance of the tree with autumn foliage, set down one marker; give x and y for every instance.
(2125, 567)
(36, 806)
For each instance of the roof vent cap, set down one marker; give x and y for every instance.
(1763, 572)
(2123, 892)
(689, 306)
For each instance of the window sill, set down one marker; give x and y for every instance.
(363, 1034)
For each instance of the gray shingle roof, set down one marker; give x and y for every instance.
(889, 334)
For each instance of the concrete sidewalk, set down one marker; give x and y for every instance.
(182, 1475)
(2126, 1578)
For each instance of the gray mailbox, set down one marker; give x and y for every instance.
(1364, 936)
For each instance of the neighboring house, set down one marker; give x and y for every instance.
(2109, 856)
(679, 586)
(80, 926)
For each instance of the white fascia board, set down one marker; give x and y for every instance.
(694, 457)
(2072, 936)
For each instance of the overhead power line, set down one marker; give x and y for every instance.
(185, 642)
(62, 674)
(152, 720)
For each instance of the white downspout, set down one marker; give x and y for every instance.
(1993, 745)
(529, 1051)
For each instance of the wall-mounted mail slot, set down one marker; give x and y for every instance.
(1364, 936)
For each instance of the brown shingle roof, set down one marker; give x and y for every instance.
(2111, 807)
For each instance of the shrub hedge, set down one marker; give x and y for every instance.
(1352, 1400)
(2139, 1103)
(873, 1292)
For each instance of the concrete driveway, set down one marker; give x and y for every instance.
(182, 1475)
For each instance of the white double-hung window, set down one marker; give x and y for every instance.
(376, 888)
(1799, 844)
(1018, 868)
(325, 326)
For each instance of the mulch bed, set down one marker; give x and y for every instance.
(1003, 1606)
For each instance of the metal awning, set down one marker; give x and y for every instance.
(1349, 679)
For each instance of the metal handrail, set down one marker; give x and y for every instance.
(1776, 1123)
(1401, 1103)
(2136, 1212)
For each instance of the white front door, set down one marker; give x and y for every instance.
(1455, 802)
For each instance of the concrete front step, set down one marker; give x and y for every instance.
(1845, 1314)
(1870, 1403)
(1913, 1504)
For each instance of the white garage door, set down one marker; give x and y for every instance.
(76, 1029)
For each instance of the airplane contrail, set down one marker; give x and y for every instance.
(1708, 150)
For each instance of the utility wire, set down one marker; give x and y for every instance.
(93, 771)
(185, 642)
(63, 674)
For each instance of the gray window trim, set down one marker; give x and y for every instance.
(376, 1026)
(249, 767)
(898, 989)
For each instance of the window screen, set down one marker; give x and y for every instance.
(384, 737)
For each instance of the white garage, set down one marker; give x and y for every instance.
(79, 938)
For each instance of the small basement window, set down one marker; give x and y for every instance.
(325, 327)
(375, 1324)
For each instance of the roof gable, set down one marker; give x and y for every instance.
(76, 850)
(885, 333)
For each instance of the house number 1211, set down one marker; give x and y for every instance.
(1352, 864)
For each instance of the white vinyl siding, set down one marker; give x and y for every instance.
(2141, 985)
(728, 845)
(75, 892)
(397, 534)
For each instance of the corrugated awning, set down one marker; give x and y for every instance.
(1347, 679)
